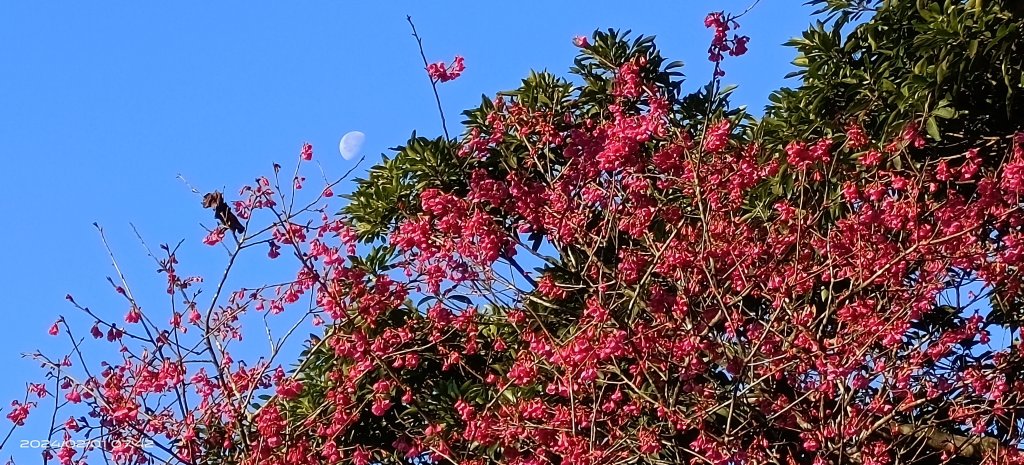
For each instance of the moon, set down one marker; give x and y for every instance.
(351, 143)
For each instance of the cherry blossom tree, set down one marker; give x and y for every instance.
(610, 268)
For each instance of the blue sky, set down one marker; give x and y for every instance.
(101, 108)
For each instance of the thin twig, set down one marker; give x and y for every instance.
(433, 83)
(182, 179)
(751, 7)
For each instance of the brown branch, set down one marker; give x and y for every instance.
(964, 446)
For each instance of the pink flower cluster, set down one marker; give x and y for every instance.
(721, 43)
(439, 72)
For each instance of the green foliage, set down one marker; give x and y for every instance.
(952, 67)
(598, 63)
(392, 186)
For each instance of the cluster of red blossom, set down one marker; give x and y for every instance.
(440, 72)
(721, 43)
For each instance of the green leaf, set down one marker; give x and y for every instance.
(933, 129)
(944, 113)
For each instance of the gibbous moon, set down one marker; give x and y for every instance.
(351, 144)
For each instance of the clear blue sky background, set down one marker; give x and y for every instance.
(101, 108)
